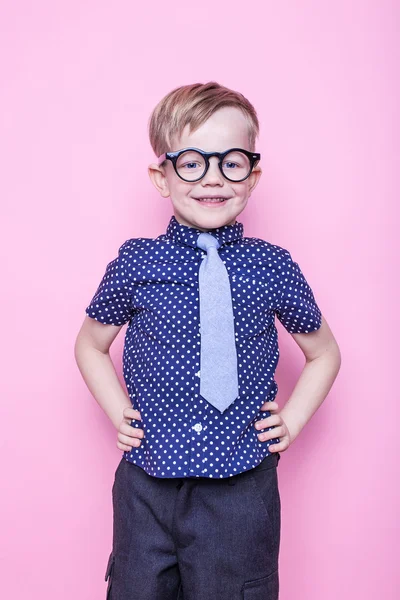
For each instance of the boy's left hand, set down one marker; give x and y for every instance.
(279, 428)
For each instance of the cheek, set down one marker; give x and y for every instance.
(180, 191)
(176, 186)
(241, 190)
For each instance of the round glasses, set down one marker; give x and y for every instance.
(191, 164)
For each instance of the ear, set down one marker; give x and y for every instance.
(159, 179)
(254, 178)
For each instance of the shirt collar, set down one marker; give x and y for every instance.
(184, 234)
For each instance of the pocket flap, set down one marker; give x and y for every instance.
(266, 587)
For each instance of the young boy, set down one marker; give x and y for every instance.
(196, 504)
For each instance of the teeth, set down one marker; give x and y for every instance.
(211, 199)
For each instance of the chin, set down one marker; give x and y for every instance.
(214, 220)
(207, 218)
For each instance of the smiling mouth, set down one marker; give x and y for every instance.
(211, 200)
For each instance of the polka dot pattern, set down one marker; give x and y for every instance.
(153, 285)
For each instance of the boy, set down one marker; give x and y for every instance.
(195, 497)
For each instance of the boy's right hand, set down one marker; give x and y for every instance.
(129, 436)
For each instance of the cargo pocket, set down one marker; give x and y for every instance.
(260, 589)
(109, 574)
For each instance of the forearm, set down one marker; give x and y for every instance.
(98, 372)
(311, 389)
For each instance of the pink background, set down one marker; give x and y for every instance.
(78, 83)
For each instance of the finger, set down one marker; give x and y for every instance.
(123, 446)
(129, 429)
(130, 432)
(281, 447)
(273, 448)
(126, 439)
(270, 405)
(276, 432)
(268, 422)
(132, 413)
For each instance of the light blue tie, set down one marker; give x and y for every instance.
(218, 358)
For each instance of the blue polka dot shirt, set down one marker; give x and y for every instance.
(153, 286)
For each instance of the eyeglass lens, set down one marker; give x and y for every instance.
(191, 165)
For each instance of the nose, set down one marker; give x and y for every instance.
(213, 175)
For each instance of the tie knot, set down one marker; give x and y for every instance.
(206, 241)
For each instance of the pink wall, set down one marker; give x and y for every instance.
(78, 82)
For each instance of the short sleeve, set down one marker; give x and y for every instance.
(112, 302)
(297, 308)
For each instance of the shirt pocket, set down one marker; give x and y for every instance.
(164, 310)
(254, 317)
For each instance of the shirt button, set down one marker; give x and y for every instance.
(198, 373)
(198, 427)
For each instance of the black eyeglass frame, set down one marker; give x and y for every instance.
(254, 158)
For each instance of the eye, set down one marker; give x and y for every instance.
(231, 165)
(193, 164)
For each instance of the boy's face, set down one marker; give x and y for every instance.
(226, 128)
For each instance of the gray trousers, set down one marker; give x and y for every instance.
(195, 538)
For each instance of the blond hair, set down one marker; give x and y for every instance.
(192, 105)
